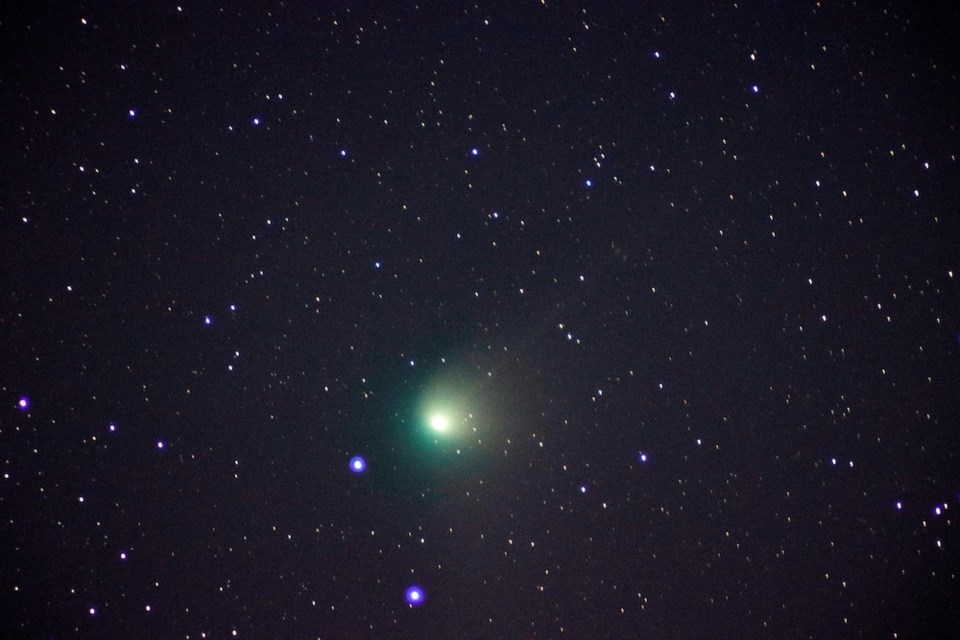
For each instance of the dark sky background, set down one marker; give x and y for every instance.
(681, 277)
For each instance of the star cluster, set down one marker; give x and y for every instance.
(491, 320)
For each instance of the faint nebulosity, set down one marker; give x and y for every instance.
(516, 320)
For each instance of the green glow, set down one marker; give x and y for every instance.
(446, 412)
(444, 418)
(463, 410)
(440, 423)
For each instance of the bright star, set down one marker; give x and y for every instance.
(358, 464)
(415, 595)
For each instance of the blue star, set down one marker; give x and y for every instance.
(415, 595)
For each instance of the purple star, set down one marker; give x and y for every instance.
(415, 595)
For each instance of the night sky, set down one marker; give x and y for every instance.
(525, 320)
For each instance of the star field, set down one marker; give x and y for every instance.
(497, 320)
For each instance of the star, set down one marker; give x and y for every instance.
(415, 595)
(412, 341)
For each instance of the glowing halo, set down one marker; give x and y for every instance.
(445, 410)
(459, 413)
(440, 422)
(415, 595)
(358, 464)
